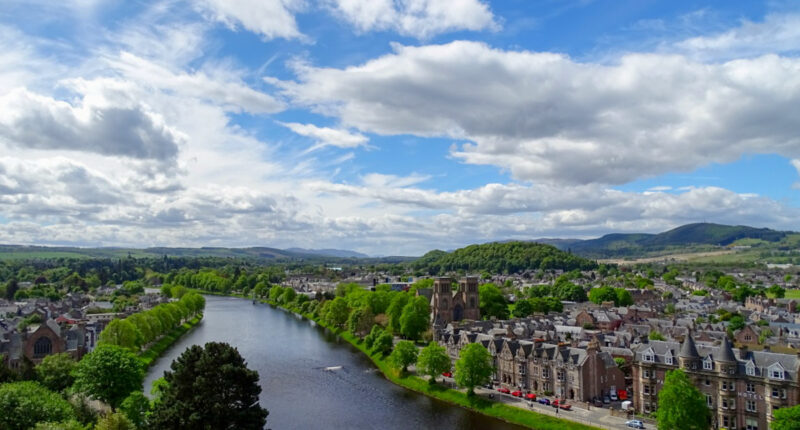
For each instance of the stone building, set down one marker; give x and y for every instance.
(742, 387)
(448, 305)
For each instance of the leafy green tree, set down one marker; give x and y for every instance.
(114, 421)
(383, 343)
(12, 286)
(287, 296)
(55, 371)
(492, 302)
(473, 367)
(395, 310)
(433, 361)
(23, 404)
(415, 318)
(109, 373)
(403, 355)
(736, 323)
(121, 332)
(60, 425)
(374, 333)
(360, 321)
(776, 291)
(379, 301)
(194, 398)
(624, 297)
(336, 313)
(654, 335)
(786, 418)
(136, 407)
(681, 406)
(523, 308)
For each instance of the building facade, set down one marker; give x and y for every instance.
(448, 305)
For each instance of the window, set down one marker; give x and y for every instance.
(725, 405)
(725, 421)
(748, 338)
(42, 347)
(646, 389)
(668, 359)
(694, 366)
(707, 382)
(751, 388)
(709, 401)
(646, 408)
(724, 385)
(776, 374)
(750, 370)
(750, 406)
(545, 372)
(647, 357)
(775, 392)
(783, 393)
(646, 373)
(561, 375)
(708, 365)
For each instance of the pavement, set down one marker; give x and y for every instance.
(598, 417)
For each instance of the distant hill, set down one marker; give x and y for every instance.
(690, 235)
(341, 253)
(501, 257)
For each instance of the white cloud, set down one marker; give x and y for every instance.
(269, 18)
(326, 136)
(544, 116)
(417, 18)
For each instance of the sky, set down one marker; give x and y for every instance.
(393, 127)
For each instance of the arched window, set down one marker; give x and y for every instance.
(42, 347)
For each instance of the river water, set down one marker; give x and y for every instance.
(290, 355)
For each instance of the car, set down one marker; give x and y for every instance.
(634, 424)
(597, 402)
(504, 390)
(613, 396)
(606, 399)
(517, 393)
(565, 406)
(447, 374)
(544, 401)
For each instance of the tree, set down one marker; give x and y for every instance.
(415, 318)
(288, 295)
(193, 398)
(373, 335)
(136, 407)
(114, 421)
(736, 323)
(55, 371)
(492, 302)
(681, 406)
(623, 298)
(655, 335)
(383, 343)
(336, 313)
(403, 355)
(12, 286)
(433, 361)
(395, 310)
(109, 373)
(522, 308)
(473, 367)
(360, 321)
(776, 291)
(786, 418)
(23, 404)
(121, 332)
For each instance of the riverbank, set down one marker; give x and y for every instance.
(155, 350)
(478, 404)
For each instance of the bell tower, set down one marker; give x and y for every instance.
(469, 291)
(442, 301)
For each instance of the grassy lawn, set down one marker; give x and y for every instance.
(494, 409)
(792, 294)
(158, 348)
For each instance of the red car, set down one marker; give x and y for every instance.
(565, 406)
(530, 396)
(504, 390)
(447, 374)
(517, 393)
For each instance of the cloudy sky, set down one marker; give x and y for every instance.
(393, 126)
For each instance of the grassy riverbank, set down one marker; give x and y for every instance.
(155, 350)
(479, 404)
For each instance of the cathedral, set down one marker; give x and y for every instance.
(448, 305)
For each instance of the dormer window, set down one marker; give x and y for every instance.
(750, 369)
(648, 358)
(708, 364)
(776, 374)
(668, 359)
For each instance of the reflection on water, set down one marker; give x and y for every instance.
(313, 380)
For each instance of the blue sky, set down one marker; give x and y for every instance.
(393, 126)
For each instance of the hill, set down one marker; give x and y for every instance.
(699, 236)
(501, 257)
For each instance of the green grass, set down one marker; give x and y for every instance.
(497, 410)
(792, 294)
(151, 354)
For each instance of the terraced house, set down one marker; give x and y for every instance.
(742, 387)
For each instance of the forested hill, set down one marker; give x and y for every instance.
(686, 236)
(506, 257)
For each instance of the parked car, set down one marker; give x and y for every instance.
(597, 402)
(447, 374)
(606, 399)
(516, 393)
(565, 406)
(504, 390)
(544, 401)
(634, 424)
(613, 396)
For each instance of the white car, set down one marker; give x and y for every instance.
(614, 397)
(635, 424)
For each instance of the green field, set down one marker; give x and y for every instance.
(793, 294)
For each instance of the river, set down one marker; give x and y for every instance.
(290, 355)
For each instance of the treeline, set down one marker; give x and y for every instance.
(509, 257)
(143, 328)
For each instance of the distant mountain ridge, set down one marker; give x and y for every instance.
(697, 234)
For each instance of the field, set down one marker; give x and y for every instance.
(793, 294)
